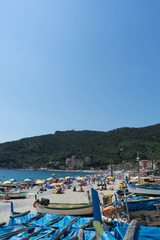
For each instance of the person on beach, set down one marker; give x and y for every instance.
(81, 189)
(74, 189)
(7, 197)
(59, 191)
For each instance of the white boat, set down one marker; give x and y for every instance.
(80, 209)
(141, 190)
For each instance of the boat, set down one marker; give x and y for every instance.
(144, 210)
(47, 226)
(143, 190)
(125, 231)
(14, 194)
(116, 230)
(79, 209)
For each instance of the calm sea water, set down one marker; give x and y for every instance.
(6, 174)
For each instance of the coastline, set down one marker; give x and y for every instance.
(49, 170)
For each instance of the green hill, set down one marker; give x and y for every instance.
(103, 147)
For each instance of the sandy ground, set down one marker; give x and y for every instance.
(22, 205)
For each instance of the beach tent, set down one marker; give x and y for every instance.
(48, 185)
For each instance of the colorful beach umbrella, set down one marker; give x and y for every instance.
(67, 177)
(80, 179)
(49, 179)
(39, 181)
(6, 182)
(11, 180)
(54, 184)
(27, 180)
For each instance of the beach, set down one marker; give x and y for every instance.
(69, 196)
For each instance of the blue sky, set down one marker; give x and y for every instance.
(82, 65)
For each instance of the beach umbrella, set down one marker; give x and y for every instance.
(11, 180)
(61, 178)
(7, 182)
(80, 179)
(27, 180)
(54, 184)
(110, 177)
(39, 181)
(49, 179)
(67, 177)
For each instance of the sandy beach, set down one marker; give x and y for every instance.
(69, 196)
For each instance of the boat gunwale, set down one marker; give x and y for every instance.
(85, 205)
(143, 200)
(143, 187)
(12, 193)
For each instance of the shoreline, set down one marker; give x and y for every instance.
(49, 170)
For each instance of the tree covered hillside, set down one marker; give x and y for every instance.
(103, 147)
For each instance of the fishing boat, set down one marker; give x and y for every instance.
(143, 190)
(125, 231)
(144, 210)
(14, 194)
(79, 209)
(120, 230)
(47, 226)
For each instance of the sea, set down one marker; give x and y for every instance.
(7, 174)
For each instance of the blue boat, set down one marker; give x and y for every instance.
(47, 226)
(120, 230)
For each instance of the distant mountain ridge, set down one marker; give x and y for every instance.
(104, 148)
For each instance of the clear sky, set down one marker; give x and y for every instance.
(78, 64)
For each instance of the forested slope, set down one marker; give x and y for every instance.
(103, 147)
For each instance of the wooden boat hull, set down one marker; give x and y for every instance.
(14, 195)
(146, 218)
(66, 209)
(143, 191)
